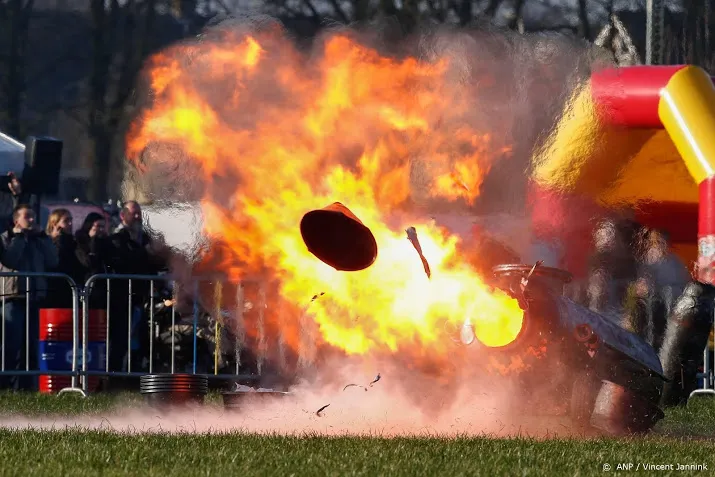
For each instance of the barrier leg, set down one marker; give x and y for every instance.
(73, 389)
(708, 389)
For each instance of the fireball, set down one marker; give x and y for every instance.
(272, 132)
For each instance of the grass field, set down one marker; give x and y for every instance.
(686, 436)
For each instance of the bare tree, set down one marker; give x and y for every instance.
(120, 42)
(14, 26)
(697, 45)
(585, 24)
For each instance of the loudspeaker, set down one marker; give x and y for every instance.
(43, 162)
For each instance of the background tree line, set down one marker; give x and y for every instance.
(68, 68)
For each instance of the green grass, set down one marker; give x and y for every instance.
(92, 453)
(680, 438)
(695, 420)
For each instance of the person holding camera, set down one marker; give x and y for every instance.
(23, 249)
(11, 195)
(95, 253)
(59, 230)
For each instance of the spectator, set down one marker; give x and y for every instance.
(662, 278)
(133, 254)
(612, 266)
(94, 252)
(59, 229)
(14, 187)
(25, 248)
(136, 250)
(663, 270)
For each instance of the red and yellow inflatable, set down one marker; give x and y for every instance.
(641, 137)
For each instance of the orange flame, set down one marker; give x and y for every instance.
(291, 135)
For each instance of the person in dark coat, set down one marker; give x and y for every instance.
(24, 248)
(134, 254)
(59, 229)
(10, 198)
(95, 253)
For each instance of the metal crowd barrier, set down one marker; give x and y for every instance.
(80, 351)
(31, 303)
(80, 315)
(131, 280)
(707, 377)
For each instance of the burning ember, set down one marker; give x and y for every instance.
(272, 133)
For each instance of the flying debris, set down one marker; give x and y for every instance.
(315, 297)
(338, 238)
(312, 300)
(467, 335)
(412, 236)
(377, 378)
(460, 182)
(317, 413)
(525, 280)
(356, 385)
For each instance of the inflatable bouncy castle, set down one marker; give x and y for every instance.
(641, 138)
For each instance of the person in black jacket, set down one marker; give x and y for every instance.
(95, 254)
(134, 246)
(17, 196)
(59, 229)
(134, 254)
(24, 249)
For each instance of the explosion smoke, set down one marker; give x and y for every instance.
(384, 410)
(443, 121)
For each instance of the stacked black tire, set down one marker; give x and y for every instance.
(169, 390)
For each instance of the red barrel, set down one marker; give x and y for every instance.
(55, 346)
(56, 325)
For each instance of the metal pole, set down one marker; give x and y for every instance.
(151, 326)
(218, 298)
(238, 331)
(196, 320)
(75, 331)
(85, 339)
(707, 368)
(27, 323)
(2, 360)
(175, 295)
(129, 332)
(655, 13)
(107, 347)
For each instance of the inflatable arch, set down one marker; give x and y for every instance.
(640, 136)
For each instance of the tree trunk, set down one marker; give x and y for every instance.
(361, 10)
(465, 13)
(15, 21)
(109, 92)
(98, 88)
(583, 19)
(518, 13)
(102, 141)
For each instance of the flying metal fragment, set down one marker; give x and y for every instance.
(317, 413)
(315, 297)
(525, 280)
(375, 380)
(460, 182)
(412, 237)
(338, 238)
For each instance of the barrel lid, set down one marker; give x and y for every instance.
(524, 269)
